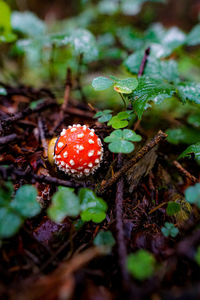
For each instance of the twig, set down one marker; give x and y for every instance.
(144, 61)
(185, 172)
(8, 139)
(122, 252)
(58, 284)
(141, 153)
(11, 170)
(28, 111)
(42, 137)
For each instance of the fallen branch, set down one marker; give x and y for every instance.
(185, 172)
(60, 284)
(141, 153)
(28, 175)
(26, 112)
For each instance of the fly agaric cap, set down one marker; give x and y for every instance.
(78, 151)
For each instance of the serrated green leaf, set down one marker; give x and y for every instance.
(184, 135)
(189, 91)
(102, 83)
(172, 208)
(65, 203)
(192, 194)
(25, 201)
(149, 89)
(194, 120)
(93, 208)
(104, 238)
(28, 24)
(155, 68)
(141, 264)
(193, 37)
(195, 149)
(169, 230)
(10, 222)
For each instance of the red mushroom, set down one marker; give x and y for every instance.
(78, 151)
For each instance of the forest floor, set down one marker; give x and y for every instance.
(59, 261)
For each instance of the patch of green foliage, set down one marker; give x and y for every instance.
(197, 256)
(192, 194)
(15, 210)
(65, 203)
(172, 208)
(120, 141)
(141, 264)
(169, 230)
(104, 238)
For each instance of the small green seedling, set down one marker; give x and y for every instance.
(104, 238)
(192, 149)
(141, 264)
(103, 116)
(169, 230)
(14, 212)
(65, 203)
(120, 141)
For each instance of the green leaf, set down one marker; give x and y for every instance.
(25, 201)
(84, 43)
(126, 86)
(119, 141)
(93, 208)
(28, 24)
(193, 37)
(120, 120)
(185, 135)
(197, 256)
(5, 24)
(64, 204)
(191, 149)
(150, 89)
(172, 208)
(194, 120)
(141, 264)
(155, 68)
(101, 83)
(6, 192)
(104, 238)
(192, 194)
(3, 91)
(189, 91)
(169, 230)
(103, 116)
(10, 222)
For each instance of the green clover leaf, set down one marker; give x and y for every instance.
(169, 230)
(103, 116)
(93, 208)
(120, 141)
